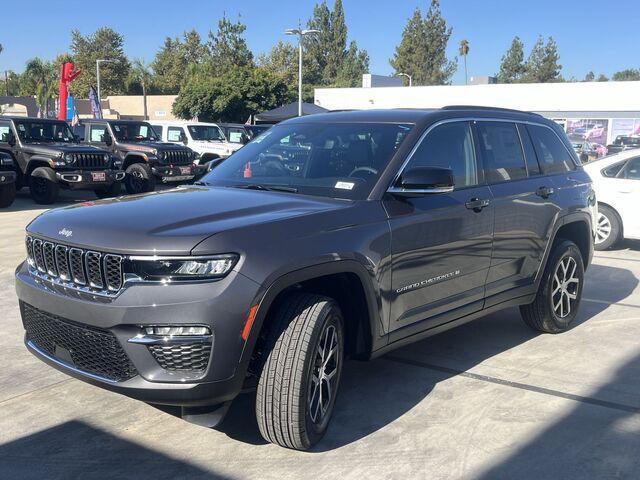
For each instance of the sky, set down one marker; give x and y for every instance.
(592, 35)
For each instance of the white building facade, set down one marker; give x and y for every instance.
(596, 112)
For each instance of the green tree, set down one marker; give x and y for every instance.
(590, 77)
(422, 50)
(106, 44)
(328, 60)
(40, 79)
(228, 48)
(232, 97)
(282, 60)
(602, 78)
(512, 65)
(141, 74)
(176, 60)
(542, 64)
(626, 75)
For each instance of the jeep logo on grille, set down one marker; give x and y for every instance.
(65, 232)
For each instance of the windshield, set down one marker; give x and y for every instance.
(334, 160)
(134, 132)
(33, 131)
(205, 132)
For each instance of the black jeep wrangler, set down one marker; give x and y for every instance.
(7, 180)
(337, 235)
(47, 156)
(141, 153)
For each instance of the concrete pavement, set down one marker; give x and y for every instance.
(491, 399)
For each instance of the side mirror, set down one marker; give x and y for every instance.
(183, 138)
(11, 139)
(424, 180)
(244, 139)
(106, 139)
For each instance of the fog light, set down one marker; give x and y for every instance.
(177, 331)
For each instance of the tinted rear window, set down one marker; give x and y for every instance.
(552, 154)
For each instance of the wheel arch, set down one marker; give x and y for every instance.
(617, 214)
(346, 281)
(132, 158)
(577, 228)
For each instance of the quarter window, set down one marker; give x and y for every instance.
(552, 154)
(632, 170)
(450, 146)
(501, 152)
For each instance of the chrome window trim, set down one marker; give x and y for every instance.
(471, 119)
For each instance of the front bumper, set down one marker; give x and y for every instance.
(222, 306)
(7, 177)
(89, 179)
(174, 173)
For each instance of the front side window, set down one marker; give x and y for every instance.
(97, 133)
(235, 134)
(5, 129)
(342, 160)
(34, 131)
(174, 134)
(501, 152)
(449, 146)
(158, 129)
(552, 154)
(134, 132)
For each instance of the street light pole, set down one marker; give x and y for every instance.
(405, 75)
(98, 62)
(300, 33)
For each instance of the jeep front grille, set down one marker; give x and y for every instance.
(74, 267)
(89, 160)
(178, 157)
(89, 349)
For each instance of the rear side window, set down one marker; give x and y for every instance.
(501, 152)
(533, 167)
(449, 146)
(552, 154)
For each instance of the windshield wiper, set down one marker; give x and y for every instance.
(271, 188)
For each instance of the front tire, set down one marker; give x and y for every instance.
(7, 194)
(560, 291)
(139, 179)
(300, 378)
(608, 228)
(42, 189)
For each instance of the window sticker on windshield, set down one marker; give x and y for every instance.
(345, 185)
(261, 137)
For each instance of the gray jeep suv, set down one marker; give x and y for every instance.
(333, 236)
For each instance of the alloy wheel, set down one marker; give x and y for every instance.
(565, 287)
(603, 228)
(324, 376)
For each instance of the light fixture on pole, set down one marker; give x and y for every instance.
(405, 75)
(300, 33)
(98, 62)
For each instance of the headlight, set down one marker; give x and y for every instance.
(68, 158)
(183, 269)
(106, 157)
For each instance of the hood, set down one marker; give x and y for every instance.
(57, 148)
(171, 222)
(149, 146)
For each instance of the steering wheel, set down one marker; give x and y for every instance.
(368, 170)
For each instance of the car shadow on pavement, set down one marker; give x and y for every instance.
(77, 450)
(375, 394)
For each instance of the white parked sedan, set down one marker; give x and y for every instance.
(616, 180)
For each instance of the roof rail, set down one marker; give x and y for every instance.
(484, 107)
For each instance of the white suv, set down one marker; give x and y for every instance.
(206, 139)
(616, 180)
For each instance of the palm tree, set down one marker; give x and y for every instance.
(464, 51)
(41, 78)
(141, 72)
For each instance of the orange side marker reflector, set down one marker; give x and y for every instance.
(249, 322)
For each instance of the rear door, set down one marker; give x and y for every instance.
(523, 218)
(626, 190)
(441, 245)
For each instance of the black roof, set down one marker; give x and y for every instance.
(110, 120)
(18, 118)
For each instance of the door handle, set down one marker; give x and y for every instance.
(477, 204)
(545, 192)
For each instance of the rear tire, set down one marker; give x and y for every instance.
(139, 179)
(7, 194)
(111, 191)
(608, 228)
(301, 374)
(42, 189)
(560, 291)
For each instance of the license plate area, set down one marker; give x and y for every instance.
(185, 170)
(98, 176)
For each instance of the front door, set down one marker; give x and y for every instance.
(441, 243)
(626, 191)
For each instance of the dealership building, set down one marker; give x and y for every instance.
(596, 112)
